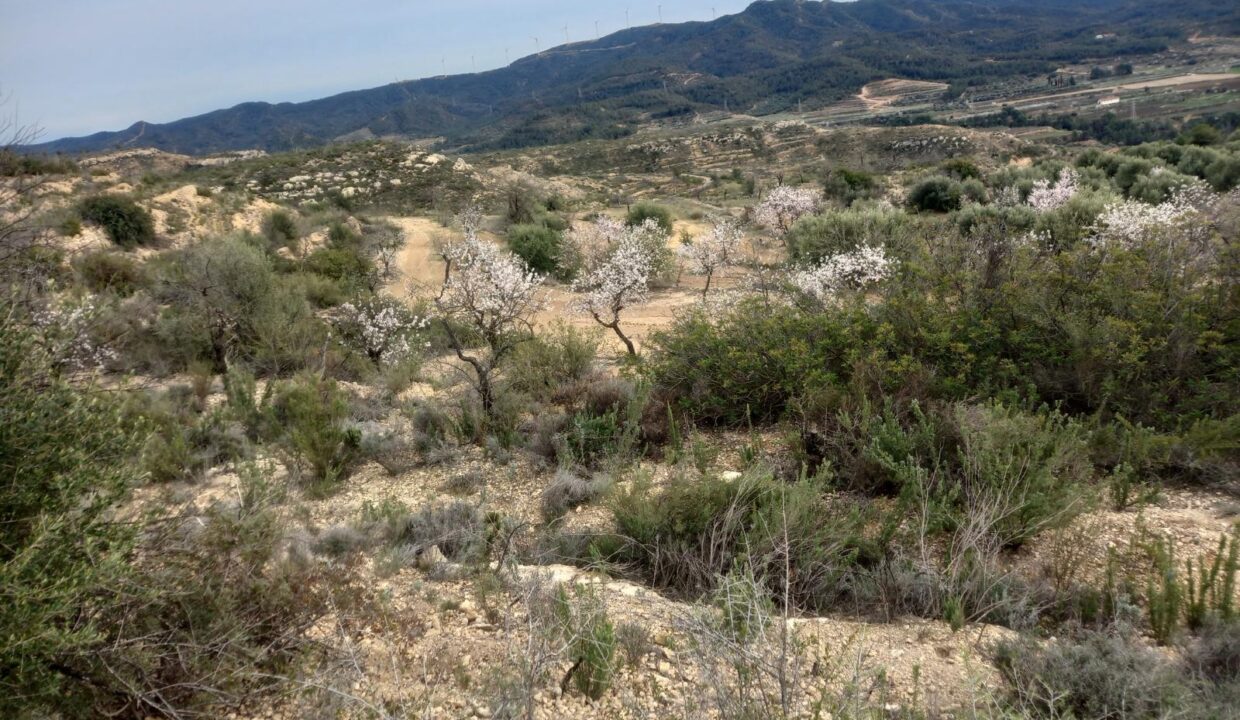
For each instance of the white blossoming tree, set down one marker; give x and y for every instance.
(1045, 196)
(380, 327)
(853, 270)
(68, 335)
(495, 294)
(714, 250)
(618, 263)
(784, 205)
(1130, 222)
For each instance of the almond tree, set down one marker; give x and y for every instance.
(717, 248)
(619, 262)
(852, 270)
(784, 205)
(1045, 197)
(492, 292)
(380, 327)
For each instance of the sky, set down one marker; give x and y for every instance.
(74, 67)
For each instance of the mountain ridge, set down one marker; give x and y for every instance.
(772, 55)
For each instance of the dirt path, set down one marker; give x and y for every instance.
(882, 93)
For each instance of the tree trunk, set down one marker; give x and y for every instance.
(624, 338)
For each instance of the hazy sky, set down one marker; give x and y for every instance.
(80, 66)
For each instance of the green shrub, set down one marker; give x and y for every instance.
(751, 362)
(960, 169)
(281, 230)
(692, 533)
(817, 236)
(127, 223)
(643, 211)
(1104, 675)
(65, 461)
(591, 640)
(935, 194)
(183, 449)
(214, 292)
(1194, 595)
(108, 271)
(555, 357)
(849, 186)
(314, 411)
(539, 246)
(348, 266)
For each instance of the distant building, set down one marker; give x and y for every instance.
(1108, 100)
(1104, 36)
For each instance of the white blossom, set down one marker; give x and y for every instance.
(619, 263)
(717, 248)
(784, 205)
(1045, 196)
(68, 334)
(493, 292)
(1130, 223)
(380, 327)
(851, 270)
(492, 287)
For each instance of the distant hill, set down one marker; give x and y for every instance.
(765, 59)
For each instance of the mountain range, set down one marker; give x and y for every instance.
(772, 56)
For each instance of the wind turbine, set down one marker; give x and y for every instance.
(566, 40)
(537, 45)
(660, 14)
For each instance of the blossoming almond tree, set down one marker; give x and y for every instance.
(494, 293)
(847, 271)
(717, 248)
(784, 205)
(619, 264)
(380, 327)
(1045, 197)
(68, 335)
(1130, 222)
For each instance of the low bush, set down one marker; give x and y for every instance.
(458, 529)
(590, 639)
(1107, 675)
(321, 446)
(539, 246)
(935, 194)
(849, 186)
(127, 224)
(569, 490)
(692, 533)
(643, 211)
(815, 237)
(559, 356)
(110, 272)
(281, 230)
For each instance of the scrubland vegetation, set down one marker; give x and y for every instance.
(886, 396)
